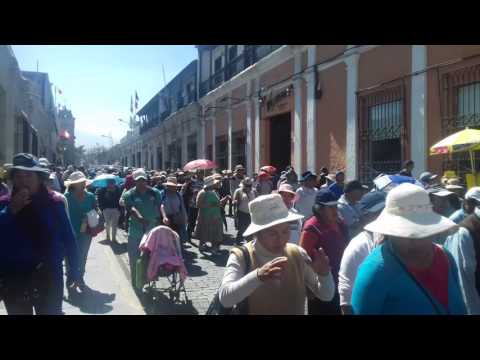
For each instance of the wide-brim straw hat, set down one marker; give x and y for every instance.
(210, 181)
(408, 213)
(267, 211)
(171, 181)
(77, 177)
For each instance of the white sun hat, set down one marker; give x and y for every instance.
(408, 213)
(267, 211)
(139, 174)
(473, 193)
(77, 177)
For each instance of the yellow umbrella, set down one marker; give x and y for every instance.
(465, 140)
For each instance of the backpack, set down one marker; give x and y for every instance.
(216, 307)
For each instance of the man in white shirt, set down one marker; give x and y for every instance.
(306, 195)
(358, 249)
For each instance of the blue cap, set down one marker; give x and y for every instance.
(307, 175)
(325, 197)
(373, 202)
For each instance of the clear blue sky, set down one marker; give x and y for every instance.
(97, 81)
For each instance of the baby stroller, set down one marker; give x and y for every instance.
(161, 247)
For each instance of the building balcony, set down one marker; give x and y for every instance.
(250, 56)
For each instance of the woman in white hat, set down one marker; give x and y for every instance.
(275, 283)
(80, 202)
(408, 273)
(209, 225)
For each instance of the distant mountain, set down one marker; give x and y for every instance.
(89, 140)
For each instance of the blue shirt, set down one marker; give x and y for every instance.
(336, 189)
(383, 287)
(462, 249)
(17, 247)
(458, 216)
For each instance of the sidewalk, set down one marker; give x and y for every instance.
(111, 292)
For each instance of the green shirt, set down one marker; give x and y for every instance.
(209, 204)
(78, 210)
(147, 204)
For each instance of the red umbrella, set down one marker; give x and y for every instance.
(200, 164)
(269, 169)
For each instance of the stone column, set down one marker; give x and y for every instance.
(257, 126)
(418, 127)
(248, 140)
(352, 129)
(311, 110)
(229, 118)
(297, 134)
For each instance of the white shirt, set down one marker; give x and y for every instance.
(243, 198)
(305, 201)
(236, 285)
(356, 252)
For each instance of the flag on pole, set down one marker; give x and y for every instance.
(136, 100)
(59, 91)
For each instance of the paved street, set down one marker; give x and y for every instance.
(205, 273)
(108, 276)
(110, 291)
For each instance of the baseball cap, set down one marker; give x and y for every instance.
(325, 197)
(373, 202)
(139, 174)
(427, 176)
(354, 185)
(306, 175)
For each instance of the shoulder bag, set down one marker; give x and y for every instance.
(216, 307)
(427, 294)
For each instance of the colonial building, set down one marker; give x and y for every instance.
(43, 115)
(66, 126)
(168, 134)
(27, 121)
(363, 108)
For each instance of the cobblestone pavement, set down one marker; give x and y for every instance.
(205, 274)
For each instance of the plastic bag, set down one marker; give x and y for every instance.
(93, 218)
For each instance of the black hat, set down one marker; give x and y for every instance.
(306, 175)
(325, 197)
(27, 162)
(354, 185)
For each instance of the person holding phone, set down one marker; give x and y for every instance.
(279, 272)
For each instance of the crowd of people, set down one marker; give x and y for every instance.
(315, 241)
